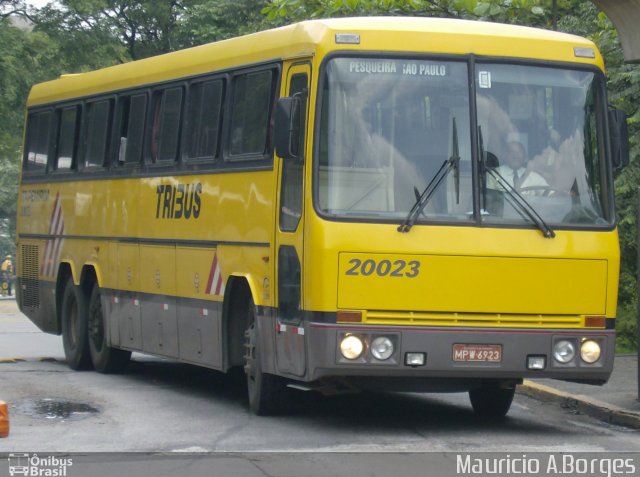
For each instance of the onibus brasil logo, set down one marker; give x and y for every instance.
(32, 465)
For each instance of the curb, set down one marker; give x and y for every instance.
(609, 413)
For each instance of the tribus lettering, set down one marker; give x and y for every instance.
(178, 201)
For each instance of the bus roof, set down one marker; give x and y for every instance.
(317, 38)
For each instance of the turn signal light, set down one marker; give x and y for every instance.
(349, 317)
(4, 419)
(594, 321)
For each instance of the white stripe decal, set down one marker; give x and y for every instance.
(215, 284)
(53, 247)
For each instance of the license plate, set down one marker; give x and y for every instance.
(477, 353)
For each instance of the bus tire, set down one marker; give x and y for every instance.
(105, 358)
(491, 400)
(265, 390)
(75, 338)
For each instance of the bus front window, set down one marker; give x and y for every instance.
(542, 131)
(387, 127)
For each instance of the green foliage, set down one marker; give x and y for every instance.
(218, 20)
(626, 329)
(65, 29)
(8, 199)
(11, 7)
(296, 10)
(528, 12)
(112, 29)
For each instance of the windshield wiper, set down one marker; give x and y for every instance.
(518, 202)
(423, 199)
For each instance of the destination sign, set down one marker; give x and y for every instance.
(391, 67)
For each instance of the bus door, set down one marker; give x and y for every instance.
(290, 338)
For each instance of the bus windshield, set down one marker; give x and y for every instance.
(387, 126)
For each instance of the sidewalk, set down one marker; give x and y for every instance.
(615, 402)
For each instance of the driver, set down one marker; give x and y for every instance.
(514, 170)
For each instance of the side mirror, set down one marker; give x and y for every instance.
(619, 138)
(288, 129)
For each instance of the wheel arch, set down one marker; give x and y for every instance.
(66, 270)
(89, 276)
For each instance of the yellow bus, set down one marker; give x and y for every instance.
(369, 203)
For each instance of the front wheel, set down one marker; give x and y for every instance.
(74, 327)
(105, 358)
(266, 391)
(491, 400)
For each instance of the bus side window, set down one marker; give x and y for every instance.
(165, 130)
(97, 129)
(203, 119)
(67, 144)
(250, 113)
(37, 144)
(130, 124)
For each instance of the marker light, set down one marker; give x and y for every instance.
(564, 351)
(590, 351)
(582, 52)
(351, 347)
(382, 348)
(348, 38)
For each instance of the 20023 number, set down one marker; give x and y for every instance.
(383, 268)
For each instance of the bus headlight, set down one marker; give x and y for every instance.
(590, 351)
(564, 351)
(351, 347)
(381, 348)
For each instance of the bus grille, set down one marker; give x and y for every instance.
(30, 285)
(473, 320)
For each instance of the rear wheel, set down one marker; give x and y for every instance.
(74, 327)
(491, 400)
(266, 391)
(105, 358)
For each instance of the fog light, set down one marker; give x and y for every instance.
(351, 347)
(564, 351)
(590, 351)
(415, 359)
(382, 348)
(536, 362)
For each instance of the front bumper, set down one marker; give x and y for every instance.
(517, 345)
